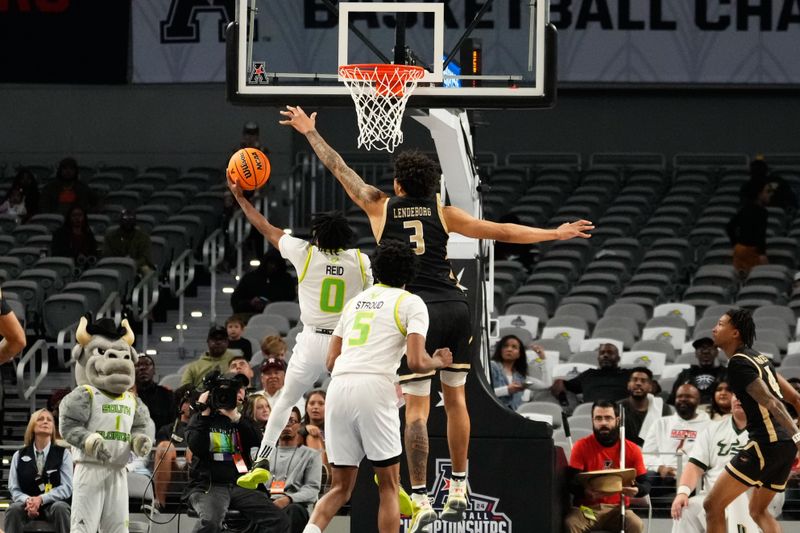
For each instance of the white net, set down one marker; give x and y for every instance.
(380, 93)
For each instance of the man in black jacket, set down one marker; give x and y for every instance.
(220, 441)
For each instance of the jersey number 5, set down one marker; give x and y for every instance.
(417, 238)
(361, 327)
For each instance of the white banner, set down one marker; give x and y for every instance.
(621, 41)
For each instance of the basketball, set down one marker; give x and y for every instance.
(250, 168)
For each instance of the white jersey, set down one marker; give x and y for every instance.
(373, 328)
(715, 446)
(325, 282)
(670, 435)
(112, 418)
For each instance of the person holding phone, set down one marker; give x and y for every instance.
(510, 372)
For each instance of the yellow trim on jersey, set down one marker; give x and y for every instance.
(745, 478)
(89, 390)
(397, 313)
(305, 266)
(466, 366)
(411, 377)
(379, 233)
(440, 211)
(363, 272)
(754, 444)
(777, 487)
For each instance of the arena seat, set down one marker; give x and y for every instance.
(60, 311)
(144, 190)
(51, 221)
(278, 322)
(527, 322)
(588, 357)
(171, 199)
(7, 242)
(655, 345)
(543, 408)
(531, 309)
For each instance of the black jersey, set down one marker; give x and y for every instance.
(419, 222)
(744, 367)
(4, 307)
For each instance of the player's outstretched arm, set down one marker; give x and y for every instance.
(364, 195)
(460, 221)
(418, 358)
(258, 221)
(759, 392)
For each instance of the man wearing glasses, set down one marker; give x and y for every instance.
(296, 474)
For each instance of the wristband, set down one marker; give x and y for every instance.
(685, 490)
(796, 437)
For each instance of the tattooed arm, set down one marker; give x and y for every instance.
(364, 195)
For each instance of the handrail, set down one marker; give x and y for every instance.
(35, 377)
(64, 343)
(181, 275)
(113, 304)
(213, 255)
(146, 291)
(239, 229)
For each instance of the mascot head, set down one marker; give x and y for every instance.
(104, 355)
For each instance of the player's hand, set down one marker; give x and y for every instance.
(570, 230)
(444, 357)
(680, 501)
(234, 186)
(298, 119)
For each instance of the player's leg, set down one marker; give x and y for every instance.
(723, 492)
(388, 489)
(759, 510)
(305, 366)
(344, 480)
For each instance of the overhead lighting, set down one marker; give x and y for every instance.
(166, 338)
(197, 314)
(151, 352)
(181, 326)
(255, 263)
(227, 290)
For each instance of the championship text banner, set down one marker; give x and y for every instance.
(617, 41)
(64, 41)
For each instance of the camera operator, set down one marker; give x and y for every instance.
(221, 440)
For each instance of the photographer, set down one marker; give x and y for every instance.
(220, 441)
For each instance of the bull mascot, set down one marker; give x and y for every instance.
(104, 422)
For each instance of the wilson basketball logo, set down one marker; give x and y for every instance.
(250, 168)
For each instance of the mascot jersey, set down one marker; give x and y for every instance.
(111, 417)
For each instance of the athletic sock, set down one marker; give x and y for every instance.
(419, 489)
(265, 451)
(458, 476)
(311, 528)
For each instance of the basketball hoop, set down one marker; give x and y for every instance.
(380, 93)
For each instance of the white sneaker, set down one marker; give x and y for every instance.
(423, 514)
(456, 503)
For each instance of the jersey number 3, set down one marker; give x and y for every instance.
(417, 238)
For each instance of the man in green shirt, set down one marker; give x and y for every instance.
(216, 358)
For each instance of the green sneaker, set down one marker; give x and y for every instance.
(257, 475)
(456, 503)
(406, 507)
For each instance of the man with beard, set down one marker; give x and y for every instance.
(296, 474)
(704, 374)
(641, 408)
(609, 382)
(766, 461)
(671, 435)
(594, 511)
(218, 357)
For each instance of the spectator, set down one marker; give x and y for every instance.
(312, 428)
(269, 282)
(239, 365)
(235, 326)
(671, 435)
(11, 330)
(159, 400)
(296, 474)
(216, 358)
(219, 437)
(715, 446)
(257, 408)
(54, 401)
(609, 382)
(251, 137)
(641, 407)
(66, 190)
(271, 346)
(704, 374)
(75, 238)
(509, 367)
(40, 478)
(721, 403)
(26, 181)
(169, 468)
(14, 205)
(129, 241)
(593, 510)
(747, 229)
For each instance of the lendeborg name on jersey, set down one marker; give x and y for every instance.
(408, 212)
(369, 305)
